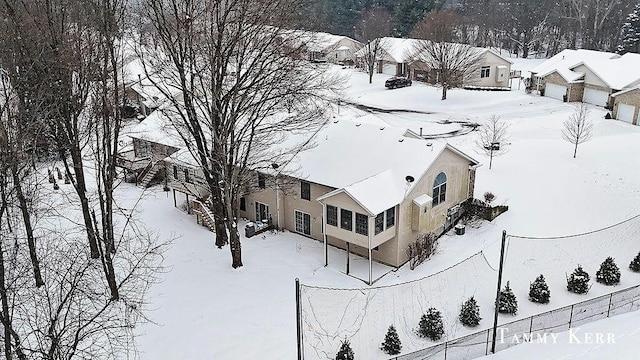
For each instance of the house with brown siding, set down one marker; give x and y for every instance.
(587, 76)
(626, 106)
(153, 139)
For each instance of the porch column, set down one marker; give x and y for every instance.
(370, 230)
(348, 257)
(324, 234)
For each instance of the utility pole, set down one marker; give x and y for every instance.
(495, 315)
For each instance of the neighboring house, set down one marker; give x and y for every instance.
(626, 105)
(586, 76)
(324, 47)
(397, 57)
(366, 188)
(153, 140)
(142, 97)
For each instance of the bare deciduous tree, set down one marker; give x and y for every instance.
(370, 28)
(492, 137)
(455, 64)
(243, 86)
(578, 128)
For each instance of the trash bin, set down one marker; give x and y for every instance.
(460, 229)
(249, 230)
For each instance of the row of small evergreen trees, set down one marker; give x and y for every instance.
(431, 325)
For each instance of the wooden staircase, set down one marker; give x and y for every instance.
(204, 214)
(149, 172)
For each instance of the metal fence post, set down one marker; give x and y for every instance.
(609, 308)
(299, 320)
(495, 316)
(445, 349)
(571, 317)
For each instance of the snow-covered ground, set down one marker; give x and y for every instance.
(203, 309)
(582, 343)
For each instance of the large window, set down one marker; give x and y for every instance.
(362, 224)
(379, 223)
(332, 215)
(305, 190)
(439, 189)
(391, 217)
(261, 181)
(485, 71)
(346, 219)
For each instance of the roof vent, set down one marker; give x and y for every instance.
(429, 144)
(382, 128)
(400, 140)
(409, 179)
(335, 121)
(358, 124)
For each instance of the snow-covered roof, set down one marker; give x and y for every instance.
(569, 58)
(422, 200)
(617, 72)
(159, 127)
(183, 157)
(370, 162)
(315, 41)
(403, 50)
(635, 88)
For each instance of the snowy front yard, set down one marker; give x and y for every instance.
(203, 309)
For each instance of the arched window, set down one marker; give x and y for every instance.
(439, 189)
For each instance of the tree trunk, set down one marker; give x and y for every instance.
(444, 92)
(371, 68)
(26, 217)
(81, 189)
(234, 235)
(575, 150)
(218, 217)
(3, 296)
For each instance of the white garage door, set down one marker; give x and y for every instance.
(389, 69)
(626, 112)
(595, 97)
(555, 91)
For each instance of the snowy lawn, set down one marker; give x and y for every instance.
(205, 310)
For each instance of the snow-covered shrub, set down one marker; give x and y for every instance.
(539, 291)
(421, 249)
(391, 344)
(508, 302)
(431, 325)
(345, 352)
(635, 264)
(470, 313)
(578, 282)
(489, 197)
(609, 273)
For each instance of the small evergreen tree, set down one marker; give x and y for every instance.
(578, 282)
(431, 325)
(539, 291)
(345, 352)
(470, 313)
(635, 264)
(609, 273)
(508, 302)
(391, 344)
